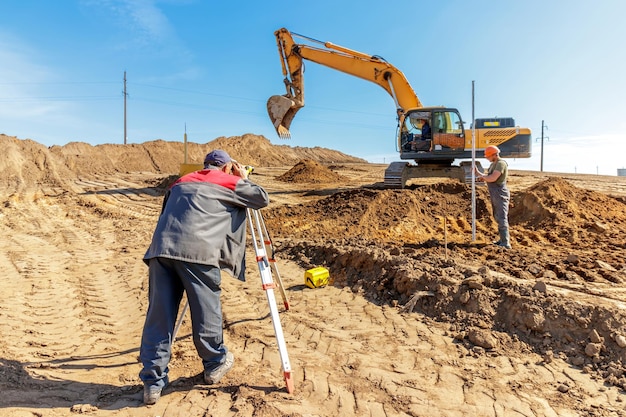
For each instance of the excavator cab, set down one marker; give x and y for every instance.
(431, 134)
(434, 152)
(416, 132)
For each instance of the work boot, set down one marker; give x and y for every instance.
(151, 394)
(214, 376)
(505, 239)
(499, 241)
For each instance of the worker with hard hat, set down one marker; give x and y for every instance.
(499, 193)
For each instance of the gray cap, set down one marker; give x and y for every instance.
(216, 158)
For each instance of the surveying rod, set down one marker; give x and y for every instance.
(473, 168)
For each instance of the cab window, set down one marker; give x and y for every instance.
(447, 122)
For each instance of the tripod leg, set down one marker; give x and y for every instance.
(180, 321)
(268, 241)
(268, 286)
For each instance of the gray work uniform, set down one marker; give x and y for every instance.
(499, 194)
(201, 230)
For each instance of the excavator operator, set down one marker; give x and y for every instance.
(426, 135)
(419, 141)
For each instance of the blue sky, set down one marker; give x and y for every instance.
(211, 66)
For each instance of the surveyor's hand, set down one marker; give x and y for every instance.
(239, 170)
(479, 175)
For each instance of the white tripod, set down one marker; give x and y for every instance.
(260, 240)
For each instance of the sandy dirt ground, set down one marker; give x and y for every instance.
(423, 317)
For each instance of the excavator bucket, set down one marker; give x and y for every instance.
(282, 110)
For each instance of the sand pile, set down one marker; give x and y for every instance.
(312, 172)
(26, 161)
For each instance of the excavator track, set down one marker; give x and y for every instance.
(393, 175)
(398, 173)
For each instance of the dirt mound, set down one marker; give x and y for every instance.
(28, 162)
(556, 211)
(256, 150)
(311, 172)
(431, 216)
(553, 213)
(415, 215)
(558, 201)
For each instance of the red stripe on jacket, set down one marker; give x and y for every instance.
(213, 176)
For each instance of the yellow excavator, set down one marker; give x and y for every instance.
(432, 137)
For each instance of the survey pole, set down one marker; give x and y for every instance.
(473, 166)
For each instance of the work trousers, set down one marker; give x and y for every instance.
(168, 280)
(500, 198)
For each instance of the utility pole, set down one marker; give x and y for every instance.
(542, 127)
(185, 143)
(125, 94)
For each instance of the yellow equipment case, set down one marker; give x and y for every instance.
(316, 277)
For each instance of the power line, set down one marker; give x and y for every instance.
(59, 82)
(239, 98)
(58, 98)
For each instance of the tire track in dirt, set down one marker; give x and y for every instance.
(106, 294)
(76, 296)
(38, 303)
(118, 200)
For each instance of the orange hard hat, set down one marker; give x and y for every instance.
(491, 150)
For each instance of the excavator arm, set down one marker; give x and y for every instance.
(282, 109)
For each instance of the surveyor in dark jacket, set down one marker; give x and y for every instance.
(201, 230)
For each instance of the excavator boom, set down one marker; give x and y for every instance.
(282, 109)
